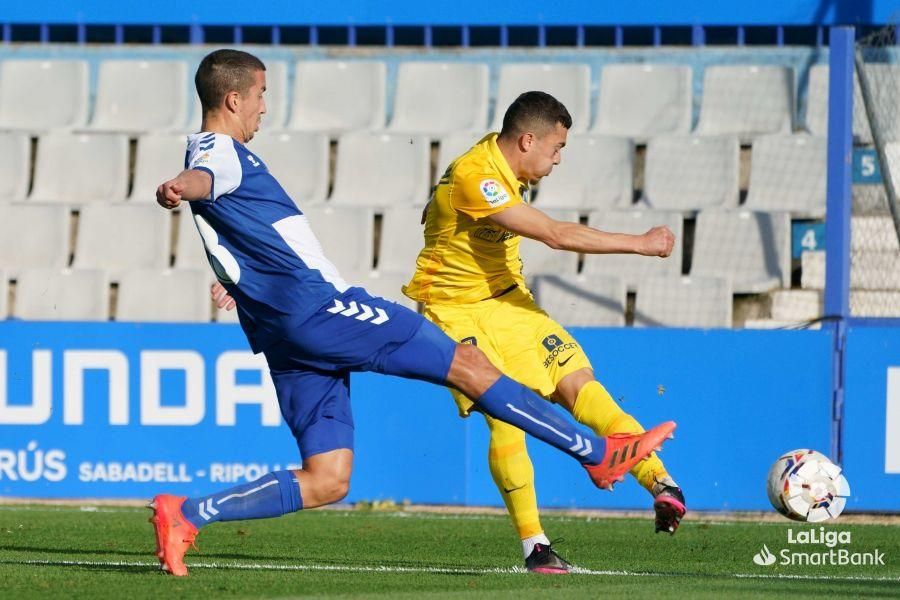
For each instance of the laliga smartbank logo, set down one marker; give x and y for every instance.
(817, 547)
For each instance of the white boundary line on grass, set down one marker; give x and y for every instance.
(440, 570)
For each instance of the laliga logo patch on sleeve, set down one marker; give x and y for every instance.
(494, 192)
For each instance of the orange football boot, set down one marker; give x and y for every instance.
(624, 451)
(174, 534)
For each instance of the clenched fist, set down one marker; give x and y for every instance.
(168, 195)
(658, 241)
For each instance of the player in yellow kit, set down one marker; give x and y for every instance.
(469, 278)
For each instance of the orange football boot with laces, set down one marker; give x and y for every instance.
(624, 451)
(174, 534)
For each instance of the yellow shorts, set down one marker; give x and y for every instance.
(519, 338)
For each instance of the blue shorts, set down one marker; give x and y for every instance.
(358, 332)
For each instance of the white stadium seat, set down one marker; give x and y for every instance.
(568, 83)
(452, 146)
(817, 106)
(581, 300)
(4, 295)
(335, 96)
(692, 172)
(138, 95)
(62, 295)
(752, 248)
(683, 302)
(33, 237)
(595, 172)
(644, 101)
(158, 158)
(169, 296)
(381, 169)
(189, 252)
(540, 259)
(122, 238)
(435, 99)
(346, 234)
(746, 101)
(299, 161)
(634, 268)
(788, 172)
(402, 238)
(80, 168)
(15, 148)
(37, 95)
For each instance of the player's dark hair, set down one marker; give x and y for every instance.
(225, 71)
(534, 112)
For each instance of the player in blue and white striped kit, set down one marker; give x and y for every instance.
(314, 328)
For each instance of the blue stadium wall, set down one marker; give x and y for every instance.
(462, 12)
(118, 410)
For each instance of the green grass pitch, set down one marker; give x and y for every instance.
(64, 551)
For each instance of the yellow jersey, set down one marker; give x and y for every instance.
(466, 257)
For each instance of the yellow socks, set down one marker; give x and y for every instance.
(513, 473)
(595, 408)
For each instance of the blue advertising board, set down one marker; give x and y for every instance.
(117, 410)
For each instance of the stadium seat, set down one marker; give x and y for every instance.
(788, 172)
(189, 252)
(883, 84)
(169, 296)
(873, 233)
(568, 83)
(346, 234)
(136, 96)
(873, 271)
(644, 101)
(453, 146)
(62, 295)
(683, 302)
(335, 96)
(80, 168)
(158, 158)
(434, 99)
(4, 295)
(753, 248)
(540, 259)
(402, 238)
(381, 169)
(581, 300)
(746, 101)
(817, 106)
(276, 96)
(299, 161)
(33, 237)
(633, 268)
(122, 238)
(38, 95)
(595, 172)
(691, 173)
(15, 148)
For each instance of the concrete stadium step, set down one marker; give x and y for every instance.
(868, 270)
(873, 233)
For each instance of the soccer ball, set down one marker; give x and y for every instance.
(804, 485)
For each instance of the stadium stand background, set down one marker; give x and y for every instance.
(745, 196)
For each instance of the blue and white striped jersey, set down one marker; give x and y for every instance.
(258, 242)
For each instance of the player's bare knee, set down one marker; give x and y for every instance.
(471, 371)
(569, 387)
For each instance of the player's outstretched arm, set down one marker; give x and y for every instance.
(528, 221)
(189, 185)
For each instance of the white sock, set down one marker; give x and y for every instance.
(528, 543)
(661, 484)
